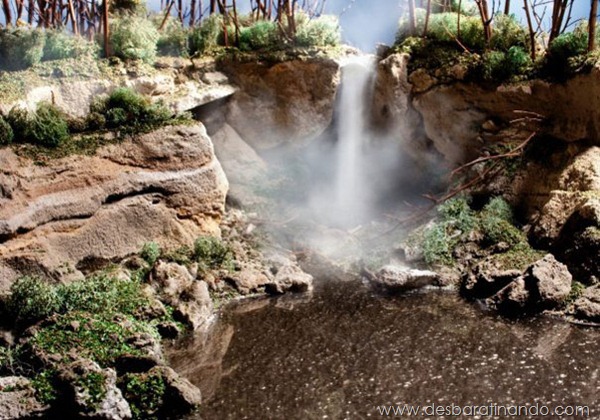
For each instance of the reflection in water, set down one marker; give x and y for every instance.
(346, 351)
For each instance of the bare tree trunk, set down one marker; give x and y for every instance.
(458, 13)
(236, 25)
(192, 20)
(486, 20)
(30, 11)
(7, 12)
(531, 30)
(507, 7)
(105, 28)
(558, 14)
(592, 26)
(412, 19)
(427, 14)
(72, 16)
(213, 6)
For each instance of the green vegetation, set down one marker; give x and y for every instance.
(21, 48)
(566, 54)
(212, 253)
(44, 384)
(60, 45)
(457, 224)
(47, 127)
(6, 132)
(173, 40)
(94, 385)
(100, 337)
(134, 38)
(150, 253)
(144, 392)
(577, 290)
(32, 300)
(128, 110)
(205, 38)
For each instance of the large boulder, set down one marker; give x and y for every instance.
(284, 103)
(75, 213)
(17, 399)
(545, 284)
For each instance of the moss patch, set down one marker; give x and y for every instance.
(145, 393)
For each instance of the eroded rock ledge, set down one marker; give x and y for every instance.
(65, 218)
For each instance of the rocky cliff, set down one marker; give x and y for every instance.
(79, 212)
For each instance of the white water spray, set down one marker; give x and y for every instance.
(351, 191)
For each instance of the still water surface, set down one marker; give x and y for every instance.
(343, 351)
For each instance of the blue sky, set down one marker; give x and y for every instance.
(367, 22)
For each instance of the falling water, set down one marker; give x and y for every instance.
(343, 199)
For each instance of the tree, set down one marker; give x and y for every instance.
(486, 19)
(592, 26)
(532, 31)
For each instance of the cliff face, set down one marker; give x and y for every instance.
(81, 211)
(282, 104)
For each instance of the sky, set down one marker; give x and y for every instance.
(368, 22)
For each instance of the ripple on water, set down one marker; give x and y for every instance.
(343, 351)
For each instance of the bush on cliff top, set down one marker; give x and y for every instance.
(6, 132)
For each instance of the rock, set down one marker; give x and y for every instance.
(90, 397)
(551, 281)
(587, 306)
(83, 211)
(545, 284)
(175, 285)
(290, 278)
(17, 399)
(214, 78)
(180, 394)
(159, 84)
(512, 300)
(421, 80)
(394, 278)
(148, 354)
(293, 99)
(485, 280)
(245, 169)
(580, 251)
(250, 279)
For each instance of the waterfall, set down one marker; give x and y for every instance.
(351, 196)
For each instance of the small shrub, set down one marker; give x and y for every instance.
(437, 247)
(6, 132)
(259, 36)
(205, 38)
(48, 127)
(323, 31)
(500, 66)
(134, 38)
(458, 213)
(44, 384)
(144, 392)
(95, 121)
(124, 107)
(21, 48)
(496, 230)
(102, 294)
(18, 118)
(498, 207)
(565, 54)
(173, 40)
(211, 252)
(32, 299)
(61, 45)
(150, 253)
(94, 386)
(508, 33)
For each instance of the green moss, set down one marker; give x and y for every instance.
(205, 38)
(496, 230)
(499, 208)
(260, 35)
(182, 255)
(458, 213)
(518, 257)
(144, 393)
(321, 31)
(61, 45)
